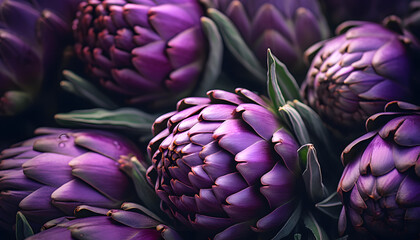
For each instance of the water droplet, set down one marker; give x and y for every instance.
(61, 144)
(63, 137)
(117, 145)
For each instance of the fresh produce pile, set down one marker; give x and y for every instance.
(209, 119)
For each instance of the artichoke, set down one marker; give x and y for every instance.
(225, 166)
(145, 52)
(380, 185)
(32, 33)
(356, 73)
(286, 27)
(95, 223)
(338, 11)
(48, 176)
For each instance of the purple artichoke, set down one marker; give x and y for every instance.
(32, 33)
(93, 223)
(288, 28)
(48, 176)
(338, 11)
(356, 73)
(380, 185)
(147, 52)
(225, 165)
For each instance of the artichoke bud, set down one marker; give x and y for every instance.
(354, 74)
(50, 175)
(380, 184)
(146, 54)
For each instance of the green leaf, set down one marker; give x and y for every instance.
(23, 229)
(297, 124)
(83, 88)
(126, 119)
(311, 223)
(274, 91)
(236, 44)
(297, 236)
(284, 80)
(312, 175)
(144, 191)
(214, 61)
(330, 205)
(290, 224)
(315, 125)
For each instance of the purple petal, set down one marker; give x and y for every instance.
(75, 193)
(277, 217)
(255, 161)
(254, 115)
(278, 185)
(103, 174)
(151, 61)
(227, 185)
(169, 20)
(409, 192)
(186, 47)
(244, 204)
(49, 168)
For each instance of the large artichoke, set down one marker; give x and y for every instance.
(225, 165)
(48, 176)
(380, 186)
(147, 52)
(287, 27)
(32, 35)
(356, 73)
(96, 223)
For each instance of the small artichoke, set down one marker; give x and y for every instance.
(32, 33)
(288, 27)
(96, 223)
(225, 165)
(48, 176)
(380, 185)
(356, 73)
(146, 52)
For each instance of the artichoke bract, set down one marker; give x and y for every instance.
(380, 184)
(48, 176)
(288, 28)
(145, 52)
(96, 223)
(355, 74)
(32, 33)
(224, 165)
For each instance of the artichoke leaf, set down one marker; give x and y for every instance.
(311, 223)
(127, 119)
(144, 191)
(23, 229)
(82, 88)
(315, 126)
(312, 175)
(273, 88)
(236, 44)
(214, 61)
(290, 114)
(283, 78)
(330, 206)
